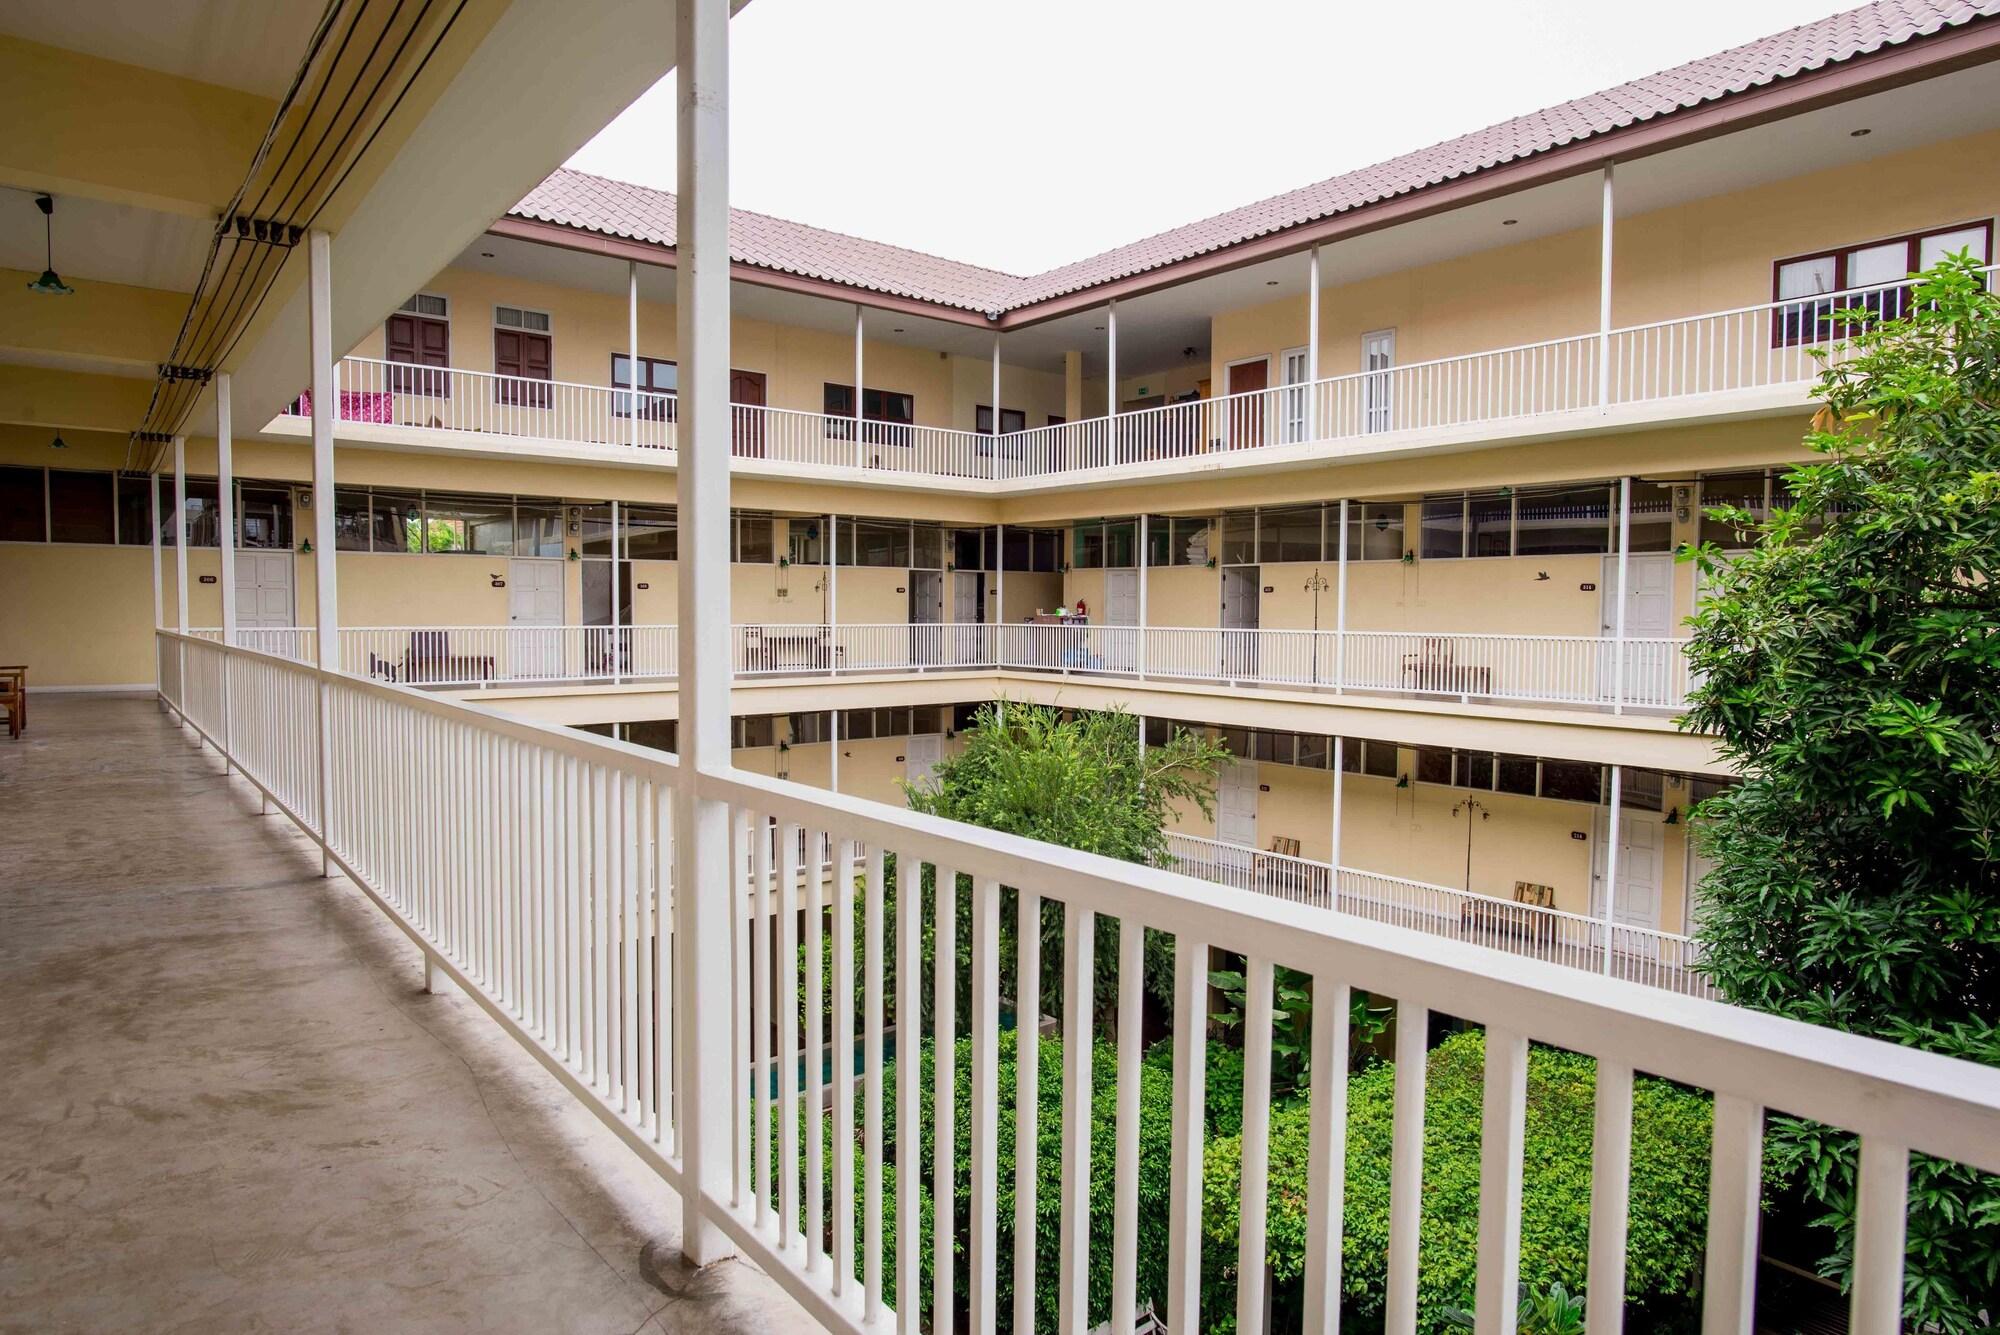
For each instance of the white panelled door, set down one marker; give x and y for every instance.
(1649, 615)
(966, 613)
(535, 611)
(1641, 859)
(1119, 649)
(263, 588)
(1236, 810)
(921, 756)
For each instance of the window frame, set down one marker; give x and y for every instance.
(1786, 332)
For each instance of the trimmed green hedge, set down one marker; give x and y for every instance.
(1670, 1149)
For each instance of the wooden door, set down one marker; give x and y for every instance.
(520, 357)
(746, 390)
(1246, 415)
(421, 352)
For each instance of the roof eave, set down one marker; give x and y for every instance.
(564, 237)
(1971, 43)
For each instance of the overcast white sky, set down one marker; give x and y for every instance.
(1025, 133)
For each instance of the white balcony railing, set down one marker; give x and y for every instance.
(1765, 346)
(532, 866)
(1646, 674)
(1638, 954)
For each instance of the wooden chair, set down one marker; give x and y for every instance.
(1540, 896)
(14, 697)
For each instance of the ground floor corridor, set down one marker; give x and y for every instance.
(227, 1103)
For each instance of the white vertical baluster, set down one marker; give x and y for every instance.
(1406, 1167)
(1882, 1209)
(909, 1030)
(1079, 978)
(983, 1277)
(842, 886)
(1252, 1221)
(1502, 1130)
(1184, 1204)
(871, 1089)
(1610, 1199)
(1125, 1180)
(1729, 1271)
(1326, 1133)
(1027, 1102)
(944, 1090)
(813, 1052)
(789, 1052)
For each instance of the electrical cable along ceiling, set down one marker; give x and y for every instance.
(362, 60)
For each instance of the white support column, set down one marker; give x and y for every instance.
(1618, 606)
(1111, 359)
(632, 350)
(1339, 792)
(1142, 594)
(1142, 753)
(704, 994)
(996, 403)
(999, 583)
(180, 535)
(1340, 609)
(159, 590)
(860, 452)
(326, 585)
(833, 591)
(1604, 298)
(1613, 829)
(617, 613)
(1312, 346)
(833, 757)
(225, 492)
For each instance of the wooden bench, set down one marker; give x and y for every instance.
(14, 697)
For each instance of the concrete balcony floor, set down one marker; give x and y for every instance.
(229, 1105)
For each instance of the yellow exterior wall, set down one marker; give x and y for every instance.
(1183, 596)
(587, 328)
(1708, 254)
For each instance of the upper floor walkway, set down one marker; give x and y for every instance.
(1750, 361)
(230, 1104)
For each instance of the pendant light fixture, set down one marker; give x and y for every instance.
(49, 283)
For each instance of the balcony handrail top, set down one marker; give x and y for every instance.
(1430, 887)
(638, 761)
(1860, 1084)
(494, 375)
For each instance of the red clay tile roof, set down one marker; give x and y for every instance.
(639, 213)
(595, 203)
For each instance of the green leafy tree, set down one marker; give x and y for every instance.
(1850, 664)
(1080, 780)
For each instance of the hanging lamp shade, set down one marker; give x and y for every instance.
(50, 283)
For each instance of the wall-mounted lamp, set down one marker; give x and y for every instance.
(1683, 503)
